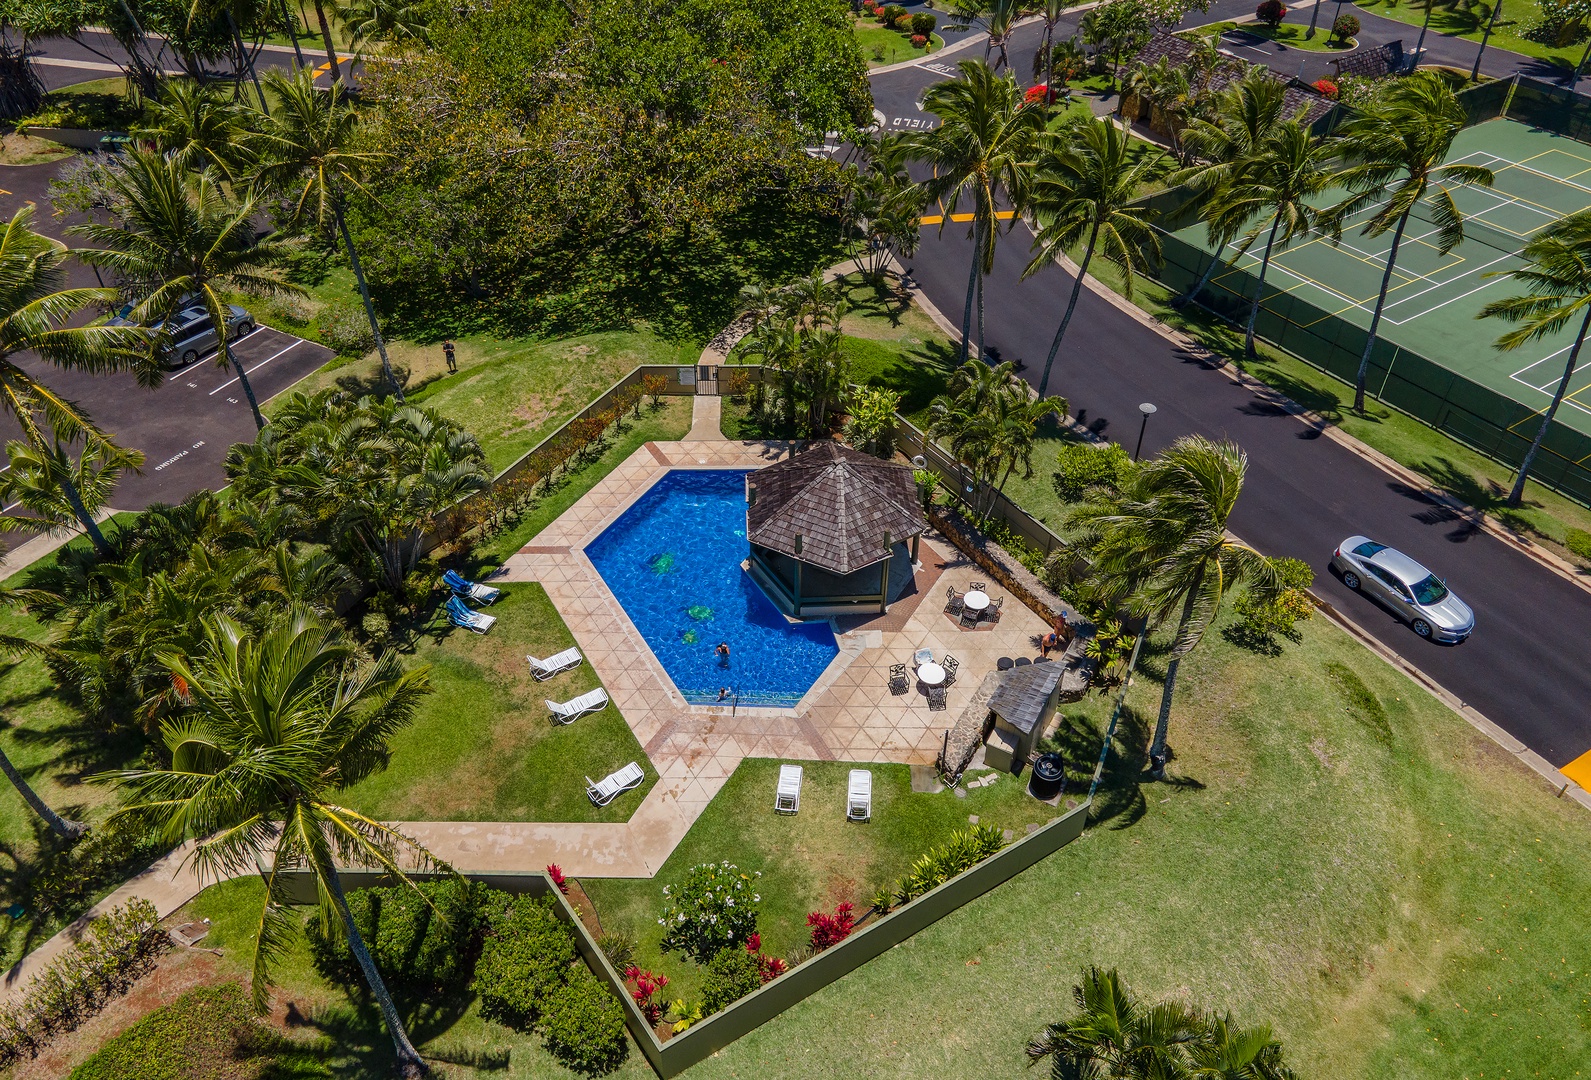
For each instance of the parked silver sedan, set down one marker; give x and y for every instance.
(1412, 592)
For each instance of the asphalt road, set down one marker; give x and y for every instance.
(62, 62)
(185, 426)
(1523, 668)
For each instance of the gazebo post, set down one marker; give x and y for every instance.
(797, 605)
(883, 578)
(916, 537)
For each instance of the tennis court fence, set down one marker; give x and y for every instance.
(1475, 415)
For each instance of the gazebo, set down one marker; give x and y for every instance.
(828, 530)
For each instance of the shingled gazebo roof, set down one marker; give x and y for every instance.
(842, 504)
(1021, 698)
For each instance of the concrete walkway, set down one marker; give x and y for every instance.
(706, 414)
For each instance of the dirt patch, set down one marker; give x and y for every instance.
(26, 150)
(535, 409)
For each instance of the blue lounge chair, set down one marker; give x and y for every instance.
(466, 589)
(460, 615)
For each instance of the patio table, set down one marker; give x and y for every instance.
(976, 601)
(931, 674)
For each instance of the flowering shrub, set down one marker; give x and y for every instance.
(715, 907)
(831, 929)
(1345, 27)
(1325, 86)
(555, 872)
(1038, 92)
(918, 41)
(643, 986)
(769, 968)
(923, 23)
(1271, 13)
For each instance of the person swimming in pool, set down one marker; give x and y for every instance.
(722, 649)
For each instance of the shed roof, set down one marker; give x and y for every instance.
(842, 504)
(1021, 698)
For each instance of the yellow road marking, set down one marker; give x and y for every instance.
(1579, 770)
(962, 219)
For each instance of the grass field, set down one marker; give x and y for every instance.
(1337, 854)
(1291, 34)
(814, 860)
(483, 747)
(1469, 21)
(881, 45)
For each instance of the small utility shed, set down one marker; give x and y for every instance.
(828, 531)
(1023, 706)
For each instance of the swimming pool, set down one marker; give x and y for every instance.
(673, 561)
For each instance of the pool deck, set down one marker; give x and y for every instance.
(849, 715)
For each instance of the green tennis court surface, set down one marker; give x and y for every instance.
(1433, 299)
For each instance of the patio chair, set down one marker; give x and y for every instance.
(992, 612)
(950, 664)
(463, 617)
(922, 656)
(936, 699)
(610, 787)
(898, 683)
(573, 709)
(859, 796)
(953, 602)
(977, 586)
(546, 669)
(465, 589)
(787, 800)
(968, 617)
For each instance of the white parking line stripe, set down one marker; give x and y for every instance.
(184, 371)
(257, 367)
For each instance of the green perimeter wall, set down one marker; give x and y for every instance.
(1475, 415)
(801, 982)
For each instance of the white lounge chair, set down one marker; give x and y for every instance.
(546, 669)
(573, 709)
(788, 798)
(610, 787)
(859, 796)
(462, 616)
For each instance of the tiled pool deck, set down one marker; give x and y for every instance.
(849, 715)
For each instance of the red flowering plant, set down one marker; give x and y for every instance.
(1039, 92)
(1326, 87)
(644, 986)
(831, 929)
(555, 872)
(918, 41)
(770, 967)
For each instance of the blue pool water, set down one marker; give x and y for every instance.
(673, 561)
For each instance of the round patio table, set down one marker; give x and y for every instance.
(931, 674)
(976, 601)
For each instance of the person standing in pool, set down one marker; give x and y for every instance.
(722, 649)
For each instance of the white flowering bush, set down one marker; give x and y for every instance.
(714, 908)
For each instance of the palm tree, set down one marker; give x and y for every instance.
(1557, 279)
(1228, 1052)
(1395, 150)
(281, 721)
(1161, 545)
(370, 21)
(980, 151)
(1085, 185)
(325, 36)
(33, 311)
(1246, 114)
(184, 241)
(1044, 59)
(62, 827)
(1486, 36)
(1012, 444)
(307, 152)
(1115, 1036)
(1290, 168)
(58, 491)
(197, 128)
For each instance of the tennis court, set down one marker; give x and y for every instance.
(1434, 299)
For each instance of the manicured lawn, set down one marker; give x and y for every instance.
(1470, 22)
(1391, 892)
(810, 861)
(881, 45)
(483, 747)
(1291, 34)
(511, 394)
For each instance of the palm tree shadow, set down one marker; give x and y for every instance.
(374, 384)
(355, 1045)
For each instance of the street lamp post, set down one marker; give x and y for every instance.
(1148, 410)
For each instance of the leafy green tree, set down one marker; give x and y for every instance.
(1162, 547)
(281, 722)
(366, 477)
(1395, 151)
(34, 311)
(60, 491)
(308, 154)
(1275, 188)
(1085, 187)
(1246, 114)
(979, 152)
(1557, 281)
(182, 240)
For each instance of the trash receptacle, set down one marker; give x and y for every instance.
(1049, 773)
